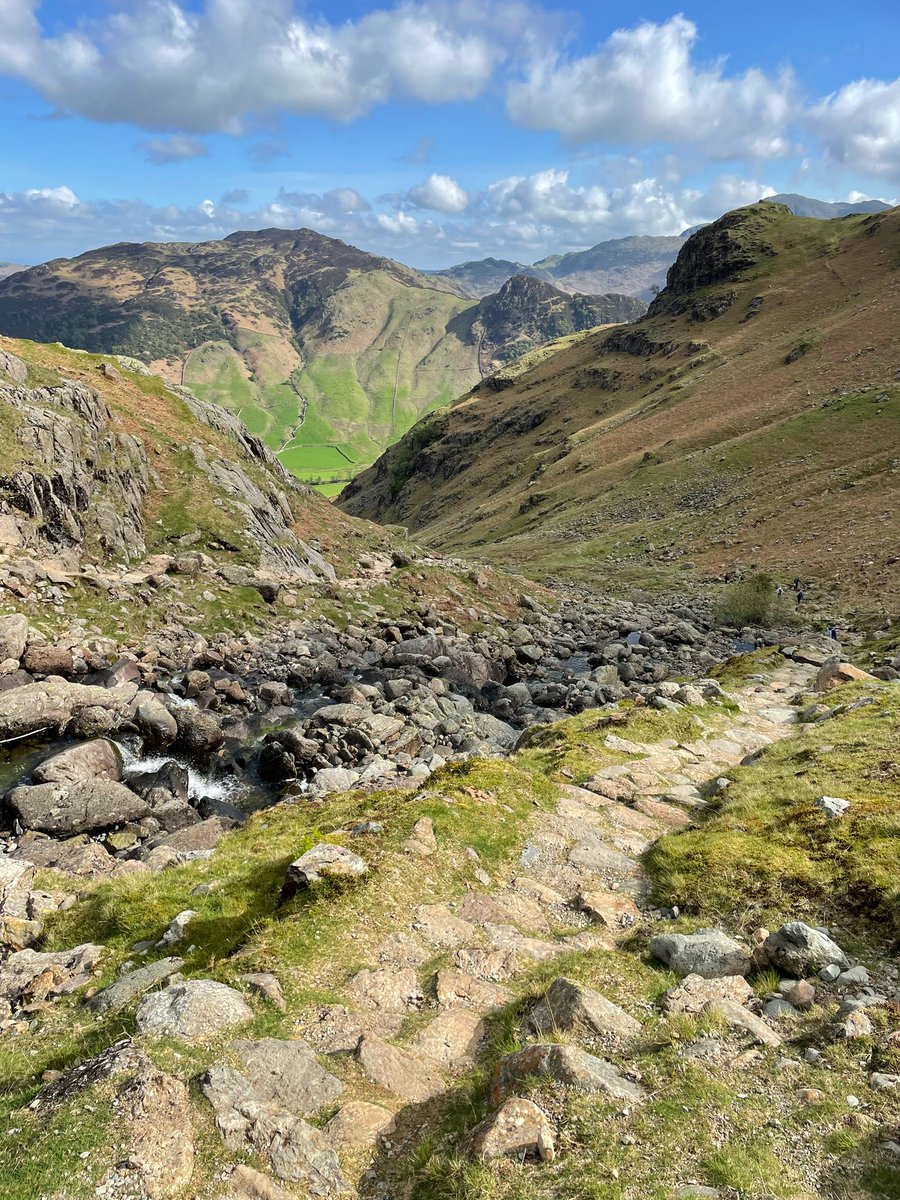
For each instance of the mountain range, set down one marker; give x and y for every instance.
(326, 352)
(634, 265)
(750, 420)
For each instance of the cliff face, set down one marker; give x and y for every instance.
(82, 481)
(527, 312)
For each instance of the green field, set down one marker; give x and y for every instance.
(303, 460)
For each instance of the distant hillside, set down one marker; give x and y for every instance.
(484, 276)
(825, 210)
(751, 420)
(327, 353)
(7, 268)
(527, 312)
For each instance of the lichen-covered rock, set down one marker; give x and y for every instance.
(13, 636)
(64, 809)
(518, 1130)
(287, 1074)
(198, 1008)
(709, 953)
(694, 993)
(798, 950)
(53, 705)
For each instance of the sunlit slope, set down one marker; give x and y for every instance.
(751, 421)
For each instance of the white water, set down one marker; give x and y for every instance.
(200, 786)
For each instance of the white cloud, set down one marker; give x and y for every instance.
(642, 85)
(522, 217)
(164, 65)
(440, 193)
(177, 148)
(859, 126)
(546, 197)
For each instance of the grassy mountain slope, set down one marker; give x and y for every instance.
(483, 276)
(327, 353)
(751, 420)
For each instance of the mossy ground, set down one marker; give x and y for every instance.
(743, 1128)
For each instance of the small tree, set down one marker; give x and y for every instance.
(753, 601)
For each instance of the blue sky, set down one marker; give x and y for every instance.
(429, 130)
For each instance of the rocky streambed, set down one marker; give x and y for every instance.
(118, 759)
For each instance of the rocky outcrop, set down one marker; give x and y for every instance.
(80, 481)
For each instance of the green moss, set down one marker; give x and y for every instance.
(769, 851)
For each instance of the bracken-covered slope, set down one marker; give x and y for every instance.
(751, 420)
(326, 352)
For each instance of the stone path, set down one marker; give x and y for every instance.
(580, 865)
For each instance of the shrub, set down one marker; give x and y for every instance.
(753, 601)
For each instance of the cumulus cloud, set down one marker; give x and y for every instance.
(177, 148)
(859, 126)
(440, 193)
(643, 85)
(523, 217)
(167, 65)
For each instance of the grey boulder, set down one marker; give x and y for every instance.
(287, 1074)
(194, 1009)
(567, 1065)
(64, 809)
(98, 759)
(13, 636)
(572, 1008)
(797, 949)
(709, 953)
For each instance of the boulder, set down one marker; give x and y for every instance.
(55, 703)
(709, 953)
(294, 1149)
(128, 987)
(322, 862)
(459, 663)
(518, 1130)
(99, 759)
(569, 1007)
(156, 723)
(397, 1071)
(245, 1183)
(199, 732)
(287, 1074)
(567, 1065)
(797, 950)
(194, 1009)
(64, 809)
(452, 1039)
(42, 659)
(694, 993)
(834, 674)
(356, 1125)
(13, 636)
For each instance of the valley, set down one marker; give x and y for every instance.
(327, 353)
(523, 824)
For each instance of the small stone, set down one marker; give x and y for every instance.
(322, 862)
(177, 929)
(855, 1025)
(741, 1018)
(881, 1081)
(830, 973)
(267, 985)
(802, 994)
(810, 1095)
(518, 1129)
(775, 1009)
(854, 975)
(834, 806)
